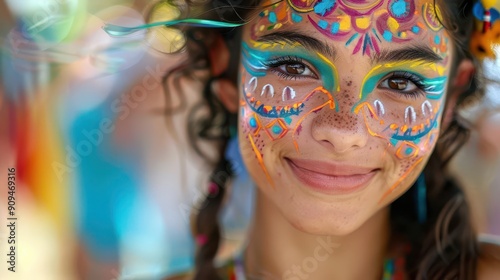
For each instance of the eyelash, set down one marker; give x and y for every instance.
(274, 64)
(415, 79)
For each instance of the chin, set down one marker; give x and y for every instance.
(321, 218)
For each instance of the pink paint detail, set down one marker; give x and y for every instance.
(301, 4)
(358, 46)
(356, 12)
(375, 44)
(317, 110)
(299, 129)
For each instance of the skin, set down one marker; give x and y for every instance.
(347, 113)
(334, 116)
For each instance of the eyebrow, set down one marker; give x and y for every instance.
(296, 37)
(422, 53)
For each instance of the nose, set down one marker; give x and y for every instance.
(341, 132)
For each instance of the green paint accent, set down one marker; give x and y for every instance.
(253, 60)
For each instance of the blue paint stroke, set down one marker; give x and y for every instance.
(399, 8)
(323, 7)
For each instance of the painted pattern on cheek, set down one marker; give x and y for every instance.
(410, 126)
(407, 120)
(272, 106)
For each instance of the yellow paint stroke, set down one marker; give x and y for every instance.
(393, 24)
(390, 190)
(310, 6)
(260, 159)
(268, 45)
(363, 22)
(419, 65)
(345, 23)
(336, 73)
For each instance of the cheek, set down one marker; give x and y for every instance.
(410, 158)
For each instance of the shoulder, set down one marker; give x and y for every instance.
(488, 265)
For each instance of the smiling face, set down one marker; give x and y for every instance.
(340, 105)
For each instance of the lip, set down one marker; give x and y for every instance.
(331, 178)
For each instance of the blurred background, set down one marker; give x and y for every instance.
(105, 179)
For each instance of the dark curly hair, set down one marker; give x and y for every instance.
(445, 247)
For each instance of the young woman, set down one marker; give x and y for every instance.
(346, 122)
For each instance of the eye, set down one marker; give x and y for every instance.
(405, 83)
(290, 67)
(296, 69)
(399, 84)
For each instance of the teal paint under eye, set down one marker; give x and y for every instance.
(409, 151)
(335, 28)
(296, 18)
(387, 36)
(394, 142)
(321, 8)
(277, 129)
(369, 86)
(272, 17)
(409, 136)
(415, 29)
(435, 87)
(437, 40)
(254, 61)
(323, 24)
(288, 120)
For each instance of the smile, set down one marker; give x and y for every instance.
(330, 178)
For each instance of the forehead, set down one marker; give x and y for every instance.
(365, 27)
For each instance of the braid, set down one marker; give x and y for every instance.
(207, 224)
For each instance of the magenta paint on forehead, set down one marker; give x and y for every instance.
(356, 7)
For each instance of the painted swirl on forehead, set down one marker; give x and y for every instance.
(359, 23)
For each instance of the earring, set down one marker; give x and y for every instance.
(421, 199)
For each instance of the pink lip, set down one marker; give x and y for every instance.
(330, 178)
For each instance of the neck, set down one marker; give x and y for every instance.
(277, 250)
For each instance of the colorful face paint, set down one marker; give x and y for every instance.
(411, 126)
(305, 96)
(362, 24)
(276, 108)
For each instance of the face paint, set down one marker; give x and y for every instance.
(274, 108)
(305, 96)
(364, 25)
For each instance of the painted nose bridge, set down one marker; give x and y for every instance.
(341, 130)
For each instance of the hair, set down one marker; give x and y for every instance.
(444, 247)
